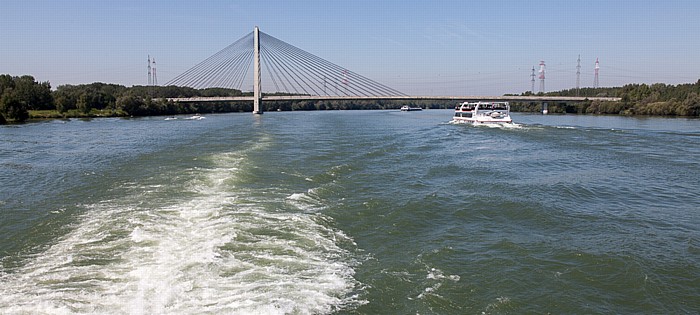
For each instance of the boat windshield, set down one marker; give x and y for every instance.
(482, 106)
(493, 106)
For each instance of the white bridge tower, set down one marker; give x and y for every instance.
(257, 95)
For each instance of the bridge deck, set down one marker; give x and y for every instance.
(513, 98)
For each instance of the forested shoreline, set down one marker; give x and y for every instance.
(657, 99)
(23, 98)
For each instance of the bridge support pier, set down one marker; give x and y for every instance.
(257, 95)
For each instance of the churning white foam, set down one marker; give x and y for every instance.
(210, 250)
(309, 201)
(490, 125)
(435, 278)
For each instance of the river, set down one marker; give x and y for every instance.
(350, 212)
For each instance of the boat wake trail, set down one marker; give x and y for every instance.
(489, 125)
(189, 242)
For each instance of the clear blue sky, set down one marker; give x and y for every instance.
(419, 47)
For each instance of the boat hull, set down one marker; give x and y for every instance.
(486, 120)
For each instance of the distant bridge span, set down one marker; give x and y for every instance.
(512, 98)
(307, 77)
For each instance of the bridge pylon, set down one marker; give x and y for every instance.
(257, 95)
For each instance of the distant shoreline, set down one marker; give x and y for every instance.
(22, 98)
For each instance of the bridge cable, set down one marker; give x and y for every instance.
(294, 69)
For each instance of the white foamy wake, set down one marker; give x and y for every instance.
(309, 201)
(211, 251)
(491, 125)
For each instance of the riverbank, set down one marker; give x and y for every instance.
(94, 113)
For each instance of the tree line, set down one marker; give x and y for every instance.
(21, 96)
(635, 99)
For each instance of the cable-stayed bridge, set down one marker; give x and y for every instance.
(300, 75)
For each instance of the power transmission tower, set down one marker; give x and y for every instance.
(578, 76)
(595, 78)
(150, 80)
(542, 67)
(155, 76)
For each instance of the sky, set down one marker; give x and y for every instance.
(435, 47)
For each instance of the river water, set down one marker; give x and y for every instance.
(350, 212)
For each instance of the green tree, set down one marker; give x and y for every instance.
(12, 107)
(130, 104)
(691, 105)
(82, 104)
(62, 103)
(44, 97)
(6, 82)
(35, 95)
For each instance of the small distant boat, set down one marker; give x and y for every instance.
(483, 113)
(407, 108)
(195, 117)
(171, 118)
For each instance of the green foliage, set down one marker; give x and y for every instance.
(82, 105)
(20, 94)
(62, 103)
(6, 82)
(220, 92)
(636, 99)
(12, 106)
(130, 104)
(96, 95)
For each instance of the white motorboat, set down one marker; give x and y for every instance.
(195, 117)
(407, 108)
(482, 113)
